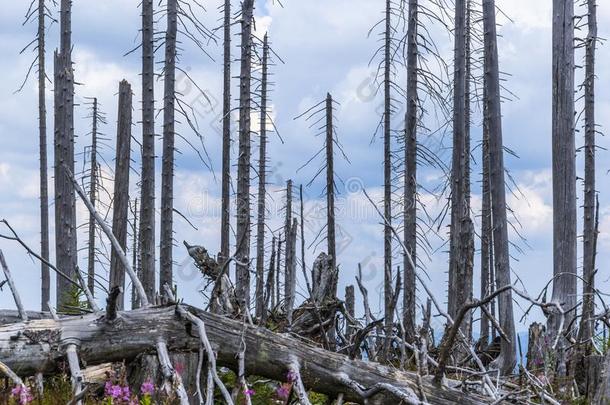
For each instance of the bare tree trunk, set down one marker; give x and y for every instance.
(121, 189)
(136, 262)
(387, 182)
(65, 205)
(262, 168)
(564, 163)
(226, 137)
(291, 272)
(588, 309)
(243, 165)
(45, 293)
(350, 305)
(167, 171)
(410, 185)
(92, 197)
(288, 258)
(507, 360)
(459, 288)
(330, 183)
(147, 209)
(486, 239)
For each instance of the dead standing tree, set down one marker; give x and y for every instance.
(146, 236)
(121, 189)
(167, 171)
(564, 164)
(242, 254)
(226, 135)
(507, 359)
(65, 205)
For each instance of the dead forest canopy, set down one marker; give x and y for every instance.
(279, 316)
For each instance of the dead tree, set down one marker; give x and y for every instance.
(262, 190)
(167, 170)
(289, 287)
(587, 323)
(93, 182)
(146, 235)
(226, 135)
(486, 229)
(242, 254)
(410, 177)
(460, 275)
(121, 189)
(330, 183)
(507, 360)
(564, 163)
(65, 205)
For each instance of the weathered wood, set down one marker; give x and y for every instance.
(93, 183)
(288, 258)
(121, 189)
(225, 223)
(11, 283)
(269, 355)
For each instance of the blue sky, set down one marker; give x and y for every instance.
(325, 48)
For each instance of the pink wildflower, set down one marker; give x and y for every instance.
(147, 388)
(249, 392)
(22, 394)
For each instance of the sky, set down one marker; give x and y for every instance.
(320, 47)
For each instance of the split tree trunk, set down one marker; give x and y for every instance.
(147, 228)
(167, 170)
(226, 137)
(65, 205)
(410, 178)
(93, 198)
(507, 360)
(45, 292)
(121, 190)
(242, 253)
(564, 163)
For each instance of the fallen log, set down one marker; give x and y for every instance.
(40, 345)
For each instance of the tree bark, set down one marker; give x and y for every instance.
(564, 163)
(121, 189)
(269, 355)
(507, 360)
(226, 137)
(45, 292)
(167, 170)
(92, 197)
(288, 258)
(65, 205)
(410, 178)
(262, 190)
(330, 183)
(486, 227)
(147, 228)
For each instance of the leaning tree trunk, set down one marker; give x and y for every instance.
(410, 180)
(564, 163)
(226, 137)
(262, 169)
(507, 360)
(38, 346)
(242, 252)
(459, 290)
(92, 197)
(45, 291)
(147, 228)
(167, 171)
(121, 189)
(387, 182)
(588, 308)
(65, 205)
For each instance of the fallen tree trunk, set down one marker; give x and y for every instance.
(39, 346)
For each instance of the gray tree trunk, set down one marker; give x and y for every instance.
(147, 205)
(410, 180)
(507, 360)
(226, 137)
(262, 190)
(564, 163)
(45, 291)
(588, 308)
(288, 258)
(460, 290)
(92, 197)
(243, 164)
(486, 228)
(65, 205)
(121, 189)
(387, 182)
(330, 183)
(167, 170)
